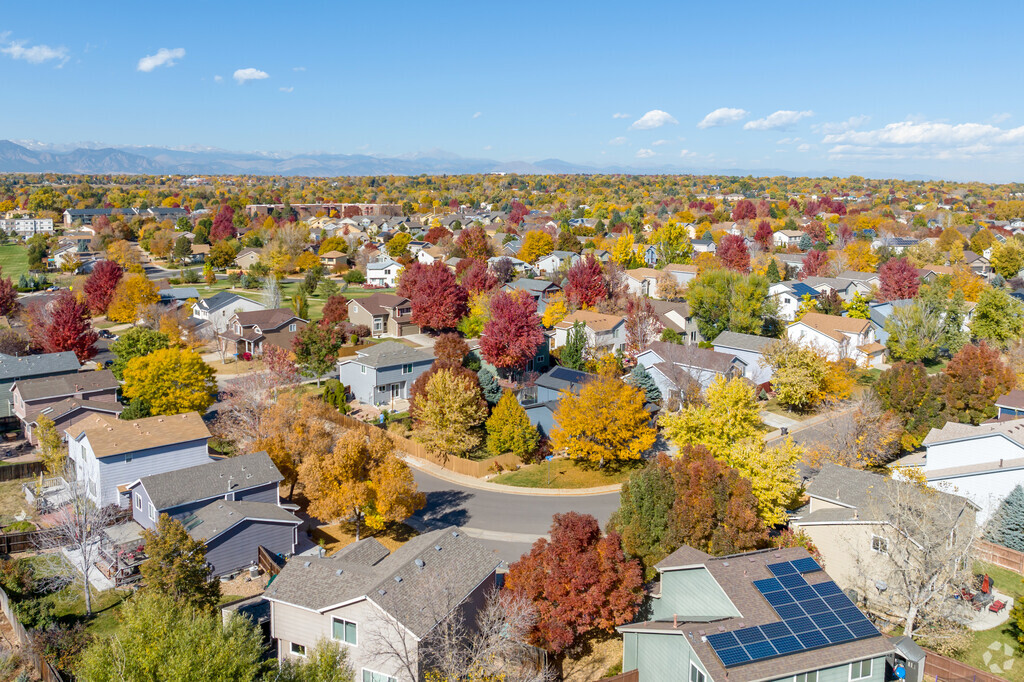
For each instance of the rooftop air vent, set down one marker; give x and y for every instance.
(381, 592)
(437, 547)
(308, 564)
(339, 571)
(398, 578)
(419, 562)
(455, 533)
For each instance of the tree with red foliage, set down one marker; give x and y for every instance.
(450, 350)
(764, 235)
(586, 285)
(517, 212)
(974, 378)
(733, 253)
(63, 325)
(514, 332)
(477, 277)
(223, 224)
(642, 326)
(335, 311)
(453, 205)
(436, 234)
(578, 581)
(816, 231)
(8, 296)
(744, 210)
(814, 263)
(438, 301)
(474, 243)
(410, 279)
(101, 284)
(899, 279)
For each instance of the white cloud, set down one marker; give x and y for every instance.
(999, 118)
(478, 114)
(288, 89)
(686, 153)
(658, 143)
(298, 68)
(250, 74)
(929, 140)
(723, 116)
(645, 153)
(620, 115)
(778, 120)
(655, 118)
(804, 148)
(218, 79)
(788, 140)
(488, 148)
(618, 140)
(163, 57)
(33, 54)
(851, 123)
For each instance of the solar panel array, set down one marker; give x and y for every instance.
(812, 616)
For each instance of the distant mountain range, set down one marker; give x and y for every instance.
(90, 158)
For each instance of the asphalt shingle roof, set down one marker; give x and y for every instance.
(66, 384)
(12, 367)
(111, 436)
(391, 353)
(749, 342)
(222, 299)
(174, 488)
(210, 521)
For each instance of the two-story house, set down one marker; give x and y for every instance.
(383, 273)
(540, 399)
(789, 295)
(605, 333)
(384, 314)
(540, 290)
(109, 454)
(65, 399)
(749, 349)
(246, 258)
(839, 338)
(675, 367)
(786, 238)
(380, 605)
(683, 274)
(677, 316)
(642, 281)
(14, 368)
(231, 504)
(249, 332)
(383, 372)
(767, 616)
(555, 262)
(217, 310)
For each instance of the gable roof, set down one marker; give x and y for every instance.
(693, 356)
(65, 384)
(534, 286)
(562, 378)
(677, 267)
(857, 276)
(219, 477)
(63, 408)
(25, 366)
(379, 304)
(643, 273)
(391, 353)
(748, 342)
(222, 299)
(415, 584)
(950, 431)
(109, 436)
(267, 320)
(1013, 400)
(833, 326)
(220, 515)
(381, 265)
(598, 322)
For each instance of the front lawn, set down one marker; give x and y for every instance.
(565, 473)
(13, 260)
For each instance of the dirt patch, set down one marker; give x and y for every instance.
(595, 658)
(244, 586)
(11, 668)
(338, 535)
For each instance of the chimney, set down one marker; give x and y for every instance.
(675, 620)
(856, 514)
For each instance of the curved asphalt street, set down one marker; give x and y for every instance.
(505, 522)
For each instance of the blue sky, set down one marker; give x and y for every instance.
(874, 87)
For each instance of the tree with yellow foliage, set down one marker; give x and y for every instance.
(134, 292)
(536, 243)
(860, 257)
(808, 304)
(803, 376)
(170, 381)
(51, 446)
(472, 325)
(728, 414)
(123, 253)
(555, 312)
(604, 422)
(449, 412)
(360, 480)
(965, 281)
(624, 251)
(307, 260)
(293, 429)
(771, 472)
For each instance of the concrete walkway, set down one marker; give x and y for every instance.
(478, 484)
(777, 421)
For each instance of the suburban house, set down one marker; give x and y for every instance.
(219, 309)
(767, 616)
(48, 395)
(232, 504)
(749, 349)
(520, 267)
(871, 280)
(785, 238)
(789, 296)
(675, 367)
(540, 400)
(332, 258)
(250, 332)
(1011, 405)
(371, 600)
(109, 454)
(840, 338)
(540, 361)
(384, 314)
(704, 246)
(384, 372)
(246, 258)
(600, 255)
(14, 368)
(978, 263)
(983, 463)
(849, 520)
(682, 273)
(383, 273)
(430, 255)
(539, 289)
(676, 315)
(603, 332)
(555, 262)
(649, 254)
(846, 289)
(880, 312)
(198, 252)
(642, 281)
(794, 262)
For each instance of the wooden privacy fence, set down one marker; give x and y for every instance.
(942, 669)
(12, 472)
(269, 562)
(20, 542)
(1004, 557)
(459, 465)
(45, 671)
(631, 676)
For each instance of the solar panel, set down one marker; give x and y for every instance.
(838, 602)
(778, 598)
(862, 628)
(850, 615)
(812, 639)
(788, 611)
(787, 645)
(803, 624)
(827, 588)
(814, 606)
(803, 593)
(767, 585)
(774, 630)
(838, 634)
(722, 640)
(826, 620)
(732, 656)
(762, 649)
(791, 580)
(750, 635)
(781, 568)
(806, 565)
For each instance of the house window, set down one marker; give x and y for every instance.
(806, 677)
(291, 327)
(362, 369)
(138, 501)
(152, 512)
(343, 630)
(298, 649)
(695, 674)
(370, 676)
(861, 670)
(879, 544)
(406, 369)
(378, 324)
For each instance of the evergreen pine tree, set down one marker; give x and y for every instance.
(509, 429)
(1007, 525)
(489, 385)
(805, 243)
(642, 379)
(772, 274)
(575, 350)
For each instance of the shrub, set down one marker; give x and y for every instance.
(355, 277)
(16, 578)
(61, 645)
(35, 614)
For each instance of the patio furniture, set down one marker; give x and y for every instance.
(997, 606)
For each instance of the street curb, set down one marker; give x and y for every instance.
(470, 482)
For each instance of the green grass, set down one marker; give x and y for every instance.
(288, 289)
(70, 607)
(936, 367)
(13, 260)
(565, 473)
(1006, 581)
(975, 656)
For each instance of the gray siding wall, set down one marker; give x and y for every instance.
(755, 371)
(236, 549)
(7, 398)
(364, 386)
(140, 508)
(361, 385)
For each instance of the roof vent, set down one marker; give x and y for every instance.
(398, 578)
(725, 563)
(437, 547)
(419, 562)
(307, 564)
(339, 571)
(455, 533)
(381, 592)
